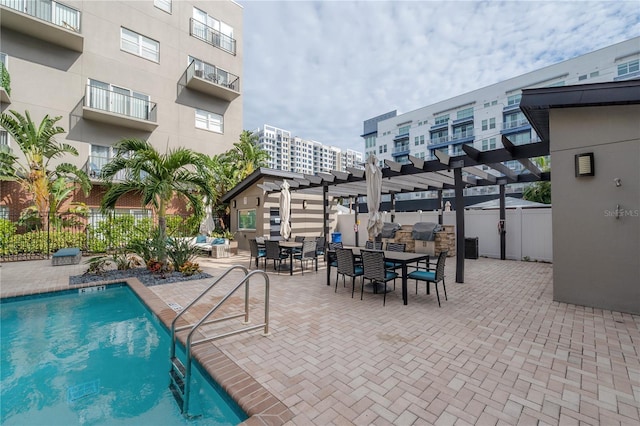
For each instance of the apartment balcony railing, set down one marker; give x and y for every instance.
(400, 150)
(457, 136)
(109, 107)
(212, 36)
(439, 140)
(93, 168)
(46, 20)
(209, 79)
(514, 126)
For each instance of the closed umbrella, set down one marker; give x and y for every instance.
(285, 211)
(207, 225)
(373, 176)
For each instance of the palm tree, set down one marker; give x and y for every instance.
(35, 174)
(248, 155)
(539, 191)
(157, 178)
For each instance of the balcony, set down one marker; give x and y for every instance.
(117, 109)
(212, 36)
(50, 21)
(400, 150)
(462, 137)
(93, 168)
(439, 142)
(514, 126)
(209, 79)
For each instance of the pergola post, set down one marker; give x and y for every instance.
(502, 225)
(459, 187)
(355, 224)
(325, 211)
(440, 208)
(393, 207)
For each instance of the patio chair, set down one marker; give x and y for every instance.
(430, 276)
(347, 267)
(257, 254)
(273, 252)
(395, 247)
(321, 243)
(373, 245)
(307, 253)
(333, 258)
(374, 271)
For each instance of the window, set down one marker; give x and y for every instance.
(514, 99)
(4, 59)
(629, 67)
(383, 148)
(140, 45)
(486, 104)
(594, 74)
(163, 5)
(465, 113)
(485, 126)
(209, 121)
(442, 119)
(4, 137)
(488, 144)
(492, 123)
(404, 130)
(582, 77)
(514, 120)
(247, 219)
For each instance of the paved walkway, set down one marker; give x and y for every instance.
(499, 351)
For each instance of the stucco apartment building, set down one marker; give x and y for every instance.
(169, 72)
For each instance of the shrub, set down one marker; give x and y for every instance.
(180, 252)
(97, 265)
(190, 268)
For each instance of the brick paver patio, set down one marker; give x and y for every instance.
(499, 351)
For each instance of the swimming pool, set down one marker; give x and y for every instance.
(92, 358)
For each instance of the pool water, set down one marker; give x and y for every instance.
(95, 358)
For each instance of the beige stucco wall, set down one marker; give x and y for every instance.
(596, 255)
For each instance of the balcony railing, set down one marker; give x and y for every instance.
(119, 109)
(93, 168)
(439, 140)
(212, 80)
(513, 124)
(462, 135)
(401, 149)
(45, 20)
(212, 36)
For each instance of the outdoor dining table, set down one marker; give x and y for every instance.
(290, 247)
(402, 257)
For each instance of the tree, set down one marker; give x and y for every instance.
(48, 186)
(157, 178)
(247, 155)
(539, 191)
(230, 168)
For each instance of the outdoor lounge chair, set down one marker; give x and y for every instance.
(430, 276)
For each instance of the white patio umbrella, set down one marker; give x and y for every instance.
(373, 176)
(285, 211)
(207, 225)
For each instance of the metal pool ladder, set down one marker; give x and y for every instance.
(180, 372)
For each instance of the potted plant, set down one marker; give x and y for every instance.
(233, 244)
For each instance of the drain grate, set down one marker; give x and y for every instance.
(175, 306)
(83, 390)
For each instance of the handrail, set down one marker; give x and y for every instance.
(186, 382)
(173, 323)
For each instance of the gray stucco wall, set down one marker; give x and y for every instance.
(596, 255)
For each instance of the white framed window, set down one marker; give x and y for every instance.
(163, 5)
(629, 67)
(213, 30)
(4, 137)
(209, 121)
(139, 45)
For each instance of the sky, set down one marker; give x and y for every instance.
(319, 69)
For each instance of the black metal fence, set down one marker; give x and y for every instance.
(39, 235)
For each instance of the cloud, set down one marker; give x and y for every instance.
(320, 69)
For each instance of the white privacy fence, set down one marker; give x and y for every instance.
(528, 234)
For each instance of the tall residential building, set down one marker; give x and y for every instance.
(294, 154)
(482, 117)
(169, 72)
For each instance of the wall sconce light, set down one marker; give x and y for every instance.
(233, 203)
(258, 201)
(584, 164)
(304, 204)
